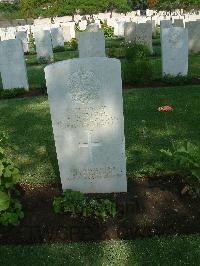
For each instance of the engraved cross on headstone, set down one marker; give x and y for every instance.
(90, 144)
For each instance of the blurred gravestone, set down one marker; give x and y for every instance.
(12, 65)
(175, 51)
(91, 44)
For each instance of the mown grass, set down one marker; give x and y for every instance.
(27, 126)
(173, 250)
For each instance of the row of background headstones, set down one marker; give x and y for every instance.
(68, 31)
(96, 44)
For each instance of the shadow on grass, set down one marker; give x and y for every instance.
(27, 125)
(175, 250)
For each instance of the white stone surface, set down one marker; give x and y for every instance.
(83, 25)
(43, 45)
(130, 31)
(91, 44)
(10, 33)
(12, 65)
(92, 28)
(144, 34)
(153, 24)
(178, 23)
(57, 37)
(66, 33)
(164, 24)
(120, 32)
(85, 97)
(194, 36)
(175, 51)
(22, 36)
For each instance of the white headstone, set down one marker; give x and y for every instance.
(175, 51)
(130, 31)
(93, 28)
(144, 34)
(12, 65)
(178, 23)
(120, 32)
(85, 97)
(83, 25)
(22, 36)
(57, 37)
(66, 33)
(91, 44)
(10, 33)
(43, 45)
(194, 36)
(165, 24)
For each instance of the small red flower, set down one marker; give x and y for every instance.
(165, 109)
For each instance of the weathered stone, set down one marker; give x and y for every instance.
(178, 23)
(57, 37)
(175, 51)
(130, 31)
(85, 97)
(91, 44)
(144, 34)
(194, 36)
(43, 45)
(22, 36)
(66, 33)
(12, 65)
(92, 28)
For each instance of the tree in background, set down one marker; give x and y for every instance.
(118, 5)
(138, 4)
(170, 5)
(152, 4)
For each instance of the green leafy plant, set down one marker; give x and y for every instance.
(137, 66)
(108, 31)
(44, 60)
(11, 93)
(134, 51)
(31, 44)
(178, 80)
(72, 45)
(185, 161)
(10, 208)
(137, 71)
(59, 49)
(76, 203)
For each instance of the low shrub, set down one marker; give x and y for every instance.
(108, 31)
(59, 49)
(11, 93)
(115, 52)
(135, 51)
(185, 161)
(137, 66)
(10, 208)
(76, 203)
(137, 71)
(177, 80)
(31, 44)
(72, 45)
(45, 60)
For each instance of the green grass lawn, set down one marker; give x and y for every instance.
(27, 126)
(157, 251)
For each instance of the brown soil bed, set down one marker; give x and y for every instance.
(152, 206)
